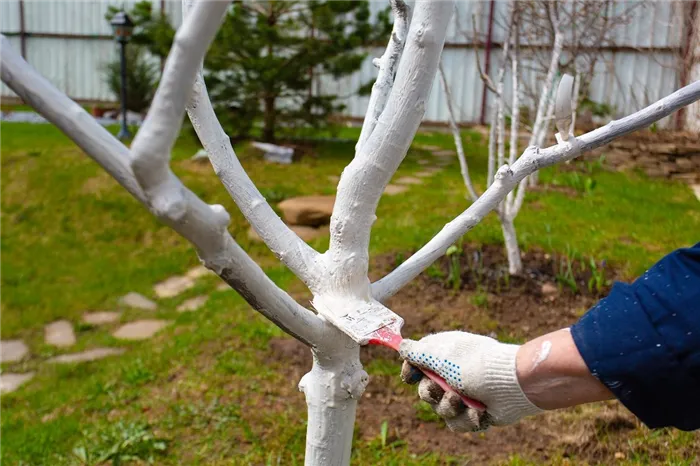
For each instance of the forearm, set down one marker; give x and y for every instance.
(553, 375)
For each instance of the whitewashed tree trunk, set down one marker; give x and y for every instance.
(337, 278)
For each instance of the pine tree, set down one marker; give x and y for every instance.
(268, 57)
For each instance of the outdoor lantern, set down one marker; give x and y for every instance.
(122, 27)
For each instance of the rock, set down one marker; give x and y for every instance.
(549, 288)
(309, 211)
(696, 190)
(140, 329)
(59, 333)
(394, 189)
(200, 156)
(223, 287)
(424, 162)
(619, 455)
(10, 382)
(684, 163)
(409, 180)
(198, 272)
(428, 173)
(624, 144)
(137, 301)
(428, 147)
(663, 148)
(274, 153)
(309, 233)
(173, 286)
(687, 177)
(12, 350)
(303, 232)
(656, 172)
(445, 153)
(333, 178)
(86, 356)
(101, 317)
(192, 304)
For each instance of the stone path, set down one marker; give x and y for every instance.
(10, 382)
(140, 329)
(393, 189)
(193, 304)
(12, 350)
(137, 301)
(173, 286)
(101, 317)
(62, 335)
(85, 356)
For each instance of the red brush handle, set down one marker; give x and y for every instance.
(389, 338)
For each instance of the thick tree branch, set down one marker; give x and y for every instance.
(364, 179)
(532, 160)
(387, 65)
(282, 241)
(204, 225)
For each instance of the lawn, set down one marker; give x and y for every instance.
(211, 389)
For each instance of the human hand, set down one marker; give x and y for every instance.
(476, 366)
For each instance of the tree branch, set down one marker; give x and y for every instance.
(532, 160)
(282, 241)
(387, 65)
(464, 168)
(364, 179)
(204, 225)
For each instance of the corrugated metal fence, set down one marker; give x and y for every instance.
(69, 41)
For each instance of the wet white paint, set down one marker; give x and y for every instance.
(542, 354)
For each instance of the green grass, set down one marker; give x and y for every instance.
(73, 240)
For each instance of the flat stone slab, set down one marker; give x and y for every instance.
(192, 304)
(59, 333)
(409, 180)
(428, 147)
(86, 356)
(223, 287)
(310, 233)
(140, 329)
(696, 190)
(10, 382)
(173, 286)
(101, 317)
(12, 350)
(428, 173)
(445, 153)
(303, 232)
(394, 189)
(198, 272)
(310, 211)
(424, 162)
(137, 301)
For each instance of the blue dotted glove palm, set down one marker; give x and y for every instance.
(474, 365)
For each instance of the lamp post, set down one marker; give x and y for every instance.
(122, 27)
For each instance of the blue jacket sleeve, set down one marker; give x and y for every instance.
(643, 342)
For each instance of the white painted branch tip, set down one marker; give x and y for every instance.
(563, 107)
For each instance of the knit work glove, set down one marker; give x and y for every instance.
(476, 366)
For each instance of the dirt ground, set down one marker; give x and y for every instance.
(524, 307)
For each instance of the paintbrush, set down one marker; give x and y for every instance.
(369, 322)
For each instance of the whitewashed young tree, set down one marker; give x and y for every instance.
(338, 277)
(509, 208)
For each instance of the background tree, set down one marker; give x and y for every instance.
(141, 78)
(268, 58)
